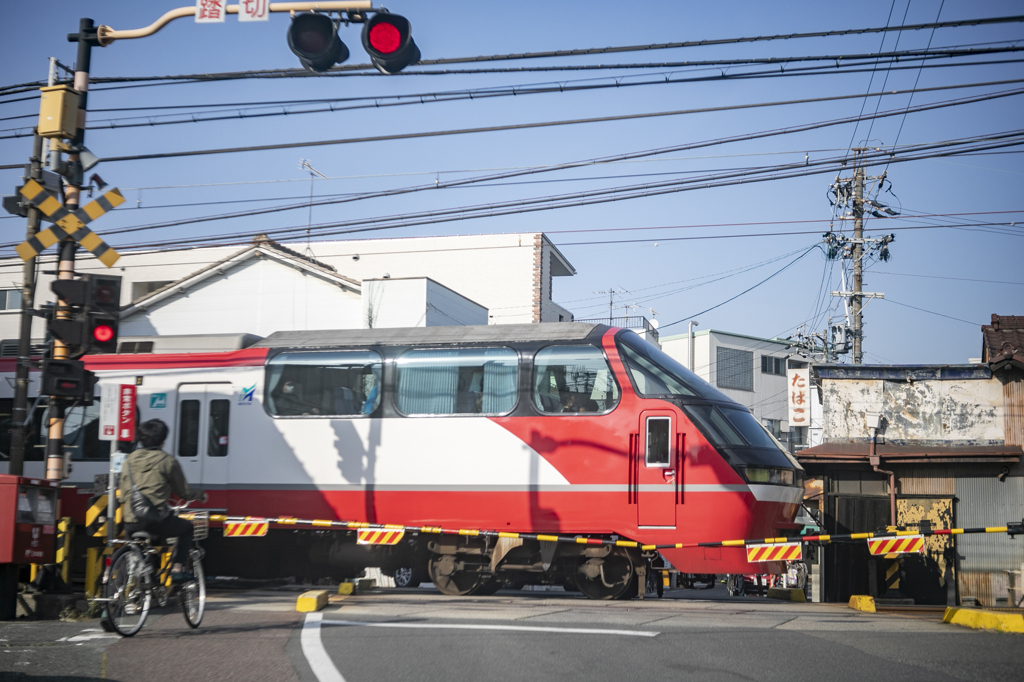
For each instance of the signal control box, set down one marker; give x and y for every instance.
(28, 520)
(58, 111)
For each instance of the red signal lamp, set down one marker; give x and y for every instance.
(387, 38)
(103, 333)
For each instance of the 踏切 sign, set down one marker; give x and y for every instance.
(117, 412)
(214, 11)
(798, 392)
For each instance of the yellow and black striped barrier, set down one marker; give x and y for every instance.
(65, 538)
(96, 518)
(74, 223)
(1011, 529)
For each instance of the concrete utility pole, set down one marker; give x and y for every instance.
(19, 411)
(856, 300)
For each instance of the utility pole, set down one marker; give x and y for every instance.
(856, 300)
(19, 411)
(611, 300)
(73, 173)
(851, 191)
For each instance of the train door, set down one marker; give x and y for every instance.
(203, 434)
(657, 476)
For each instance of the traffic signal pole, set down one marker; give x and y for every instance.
(86, 38)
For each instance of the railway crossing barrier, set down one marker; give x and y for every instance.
(906, 539)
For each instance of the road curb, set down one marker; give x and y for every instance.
(312, 601)
(862, 602)
(984, 620)
(787, 594)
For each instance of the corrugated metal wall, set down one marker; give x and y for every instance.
(983, 500)
(1013, 407)
(925, 479)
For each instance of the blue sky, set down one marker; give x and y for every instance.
(933, 269)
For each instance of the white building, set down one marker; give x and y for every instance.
(267, 287)
(750, 370)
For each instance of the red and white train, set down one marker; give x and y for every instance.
(567, 428)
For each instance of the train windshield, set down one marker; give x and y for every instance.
(655, 373)
(323, 383)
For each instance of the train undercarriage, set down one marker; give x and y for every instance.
(456, 565)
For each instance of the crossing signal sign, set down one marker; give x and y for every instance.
(387, 38)
(72, 223)
(314, 40)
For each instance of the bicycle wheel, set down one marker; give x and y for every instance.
(193, 593)
(128, 599)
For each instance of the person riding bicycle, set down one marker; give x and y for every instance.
(157, 475)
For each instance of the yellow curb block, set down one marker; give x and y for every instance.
(984, 620)
(862, 602)
(346, 588)
(314, 600)
(786, 594)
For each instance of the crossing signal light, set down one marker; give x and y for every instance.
(95, 301)
(67, 379)
(313, 38)
(387, 38)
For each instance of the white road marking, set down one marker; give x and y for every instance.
(514, 628)
(93, 635)
(313, 649)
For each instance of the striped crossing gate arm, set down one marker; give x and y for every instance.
(246, 528)
(908, 544)
(790, 551)
(380, 537)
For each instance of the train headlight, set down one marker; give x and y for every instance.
(758, 475)
(766, 475)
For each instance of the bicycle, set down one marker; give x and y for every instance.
(140, 571)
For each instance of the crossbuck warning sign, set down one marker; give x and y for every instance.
(73, 223)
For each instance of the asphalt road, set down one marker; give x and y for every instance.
(397, 635)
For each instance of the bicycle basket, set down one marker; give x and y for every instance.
(200, 525)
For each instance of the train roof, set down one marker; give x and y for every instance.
(406, 336)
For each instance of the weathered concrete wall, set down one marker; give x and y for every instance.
(940, 412)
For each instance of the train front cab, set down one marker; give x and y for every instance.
(701, 468)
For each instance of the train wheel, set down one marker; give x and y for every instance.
(488, 587)
(610, 577)
(451, 581)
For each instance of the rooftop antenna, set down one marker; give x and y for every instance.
(305, 165)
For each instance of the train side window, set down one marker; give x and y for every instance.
(188, 428)
(573, 379)
(324, 384)
(457, 381)
(220, 413)
(659, 445)
(82, 434)
(648, 378)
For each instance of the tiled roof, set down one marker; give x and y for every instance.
(1003, 342)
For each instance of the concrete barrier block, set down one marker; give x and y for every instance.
(314, 600)
(862, 602)
(984, 620)
(786, 594)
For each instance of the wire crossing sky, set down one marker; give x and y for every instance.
(846, 78)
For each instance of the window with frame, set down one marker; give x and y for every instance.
(773, 365)
(323, 384)
(734, 369)
(457, 381)
(10, 299)
(573, 379)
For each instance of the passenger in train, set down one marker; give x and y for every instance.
(291, 402)
(156, 475)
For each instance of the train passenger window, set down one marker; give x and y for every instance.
(82, 434)
(458, 381)
(324, 384)
(220, 412)
(573, 379)
(659, 446)
(188, 428)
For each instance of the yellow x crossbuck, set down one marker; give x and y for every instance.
(74, 223)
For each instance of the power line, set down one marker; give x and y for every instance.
(932, 312)
(957, 279)
(276, 73)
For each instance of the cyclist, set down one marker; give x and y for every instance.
(156, 474)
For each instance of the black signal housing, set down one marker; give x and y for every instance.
(387, 38)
